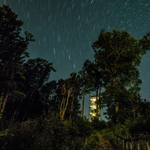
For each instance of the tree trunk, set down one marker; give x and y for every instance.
(29, 104)
(116, 102)
(117, 106)
(100, 101)
(97, 103)
(15, 114)
(12, 118)
(65, 107)
(72, 107)
(62, 105)
(6, 97)
(3, 105)
(83, 101)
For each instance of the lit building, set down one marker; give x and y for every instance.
(94, 108)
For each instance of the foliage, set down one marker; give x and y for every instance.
(98, 124)
(36, 72)
(13, 51)
(140, 127)
(36, 113)
(119, 129)
(49, 132)
(117, 55)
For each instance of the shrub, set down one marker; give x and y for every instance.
(49, 133)
(98, 125)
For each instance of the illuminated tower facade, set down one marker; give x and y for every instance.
(94, 107)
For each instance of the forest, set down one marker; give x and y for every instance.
(39, 114)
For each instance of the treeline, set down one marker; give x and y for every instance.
(38, 111)
(25, 87)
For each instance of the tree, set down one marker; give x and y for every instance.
(48, 94)
(37, 89)
(91, 81)
(12, 54)
(75, 82)
(37, 72)
(84, 82)
(66, 91)
(69, 89)
(117, 54)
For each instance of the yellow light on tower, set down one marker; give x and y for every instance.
(94, 99)
(93, 107)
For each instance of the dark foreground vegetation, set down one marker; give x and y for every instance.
(39, 114)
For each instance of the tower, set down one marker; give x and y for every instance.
(94, 107)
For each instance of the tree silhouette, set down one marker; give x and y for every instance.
(117, 55)
(12, 53)
(91, 81)
(37, 72)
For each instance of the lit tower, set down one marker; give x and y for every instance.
(94, 107)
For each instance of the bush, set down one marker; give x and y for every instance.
(49, 133)
(140, 127)
(98, 124)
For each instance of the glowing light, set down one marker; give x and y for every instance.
(93, 106)
(94, 99)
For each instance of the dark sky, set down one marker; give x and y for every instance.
(64, 30)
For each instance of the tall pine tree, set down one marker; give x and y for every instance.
(12, 54)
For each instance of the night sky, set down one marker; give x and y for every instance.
(64, 30)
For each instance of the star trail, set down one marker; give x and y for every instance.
(64, 30)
